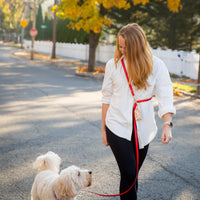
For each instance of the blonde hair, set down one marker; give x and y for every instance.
(138, 53)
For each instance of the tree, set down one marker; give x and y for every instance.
(39, 20)
(91, 16)
(163, 27)
(11, 11)
(53, 53)
(173, 30)
(48, 32)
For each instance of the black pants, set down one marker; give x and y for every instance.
(125, 155)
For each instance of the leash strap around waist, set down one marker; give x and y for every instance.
(136, 139)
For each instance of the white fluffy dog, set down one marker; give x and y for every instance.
(50, 185)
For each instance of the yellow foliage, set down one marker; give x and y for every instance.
(1, 3)
(54, 8)
(177, 93)
(86, 14)
(12, 11)
(6, 9)
(174, 5)
(114, 3)
(143, 2)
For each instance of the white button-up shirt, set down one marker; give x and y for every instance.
(116, 93)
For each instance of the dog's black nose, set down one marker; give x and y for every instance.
(90, 172)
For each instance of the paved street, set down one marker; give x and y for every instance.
(44, 107)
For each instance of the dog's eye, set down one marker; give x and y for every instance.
(79, 173)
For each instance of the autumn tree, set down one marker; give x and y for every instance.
(11, 12)
(91, 16)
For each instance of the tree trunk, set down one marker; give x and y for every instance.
(93, 43)
(53, 53)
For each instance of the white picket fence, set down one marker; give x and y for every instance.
(178, 62)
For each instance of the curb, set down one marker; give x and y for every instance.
(89, 74)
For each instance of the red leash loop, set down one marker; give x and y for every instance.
(136, 140)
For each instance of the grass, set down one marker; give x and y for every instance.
(183, 87)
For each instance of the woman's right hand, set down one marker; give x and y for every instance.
(104, 138)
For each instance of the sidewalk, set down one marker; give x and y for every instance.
(80, 68)
(79, 65)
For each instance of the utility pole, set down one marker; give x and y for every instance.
(33, 27)
(53, 54)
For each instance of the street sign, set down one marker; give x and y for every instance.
(24, 23)
(33, 32)
(43, 26)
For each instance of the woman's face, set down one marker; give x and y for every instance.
(122, 46)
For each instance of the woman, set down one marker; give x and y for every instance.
(148, 77)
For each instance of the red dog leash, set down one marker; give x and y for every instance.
(136, 139)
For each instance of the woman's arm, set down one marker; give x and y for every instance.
(164, 94)
(107, 91)
(167, 130)
(103, 124)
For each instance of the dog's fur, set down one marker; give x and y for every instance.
(50, 185)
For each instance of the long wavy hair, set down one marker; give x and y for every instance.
(138, 53)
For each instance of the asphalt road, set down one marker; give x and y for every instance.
(44, 107)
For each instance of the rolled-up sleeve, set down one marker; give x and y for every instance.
(164, 91)
(107, 87)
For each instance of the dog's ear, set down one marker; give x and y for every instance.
(40, 164)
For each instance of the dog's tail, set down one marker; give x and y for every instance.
(50, 161)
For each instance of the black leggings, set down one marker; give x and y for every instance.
(125, 155)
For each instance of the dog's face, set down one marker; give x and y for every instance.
(73, 179)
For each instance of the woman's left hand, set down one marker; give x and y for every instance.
(166, 134)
